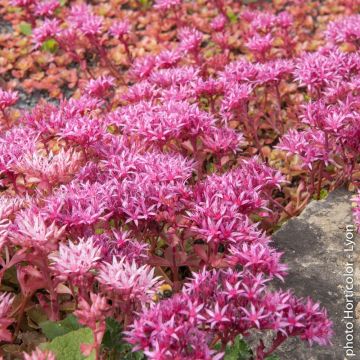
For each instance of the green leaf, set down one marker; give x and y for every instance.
(307, 98)
(232, 16)
(256, 217)
(25, 28)
(50, 45)
(323, 195)
(67, 346)
(113, 342)
(111, 129)
(13, 9)
(52, 329)
(272, 357)
(210, 166)
(112, 336)
(127, 354)
(145, 3)
(239, 350)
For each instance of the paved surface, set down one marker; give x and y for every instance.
(313, 244)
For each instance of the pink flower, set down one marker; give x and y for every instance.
(38, 354)
(208, 87)
(10, 205)
(85, 130)
(47, 171)
(346, 29)
(240, 71)
(168, 58)
(190, 39)
(318, 327)
(222, 141)
(158, 124)
(236, 97)
(31, 231)
(4, 226)
(174, 76)
(22, 3)
(317, 70)
(142, 90)
(78, 12)
(14, 144)
(284, 19)
(119, 29)
(78, 205)
(254, 315)
(218, 23)
(263, 22)
(309, 145)
(67, 38)
(128, 280)
(46, 8)
(143, 196)
(81, 107)
(93, 316)
(120, 244)
(253, 288)
(161, 329)
(48, 29)
(90, 314)
(91, 25)
(231, 302)
(293, 321)
(75, 261)
(217, 316)
(7, 98)
(157, 353)
(81, 17)
(166, 4)
(248, 15)
(260, 45)
(142, 67)
(100, 86)
(6, 300)
(258, 258)
(194, 311)
(272, 72)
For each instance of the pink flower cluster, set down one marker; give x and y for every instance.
(345, 30)
(7, 98)
(219, 305)
(92, 205)
(107, 197)
(263, 27)
(329, 120)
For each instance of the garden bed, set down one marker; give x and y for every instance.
(178, 179)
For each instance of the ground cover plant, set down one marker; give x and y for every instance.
(170, 139)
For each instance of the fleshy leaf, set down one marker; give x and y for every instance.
(231, 16)
(239, 350)
(112, 341)
(52, 329)
(67, 346)
(323, 195)
(25, 28)
(50, 45)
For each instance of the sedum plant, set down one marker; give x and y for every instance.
(136, 213)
